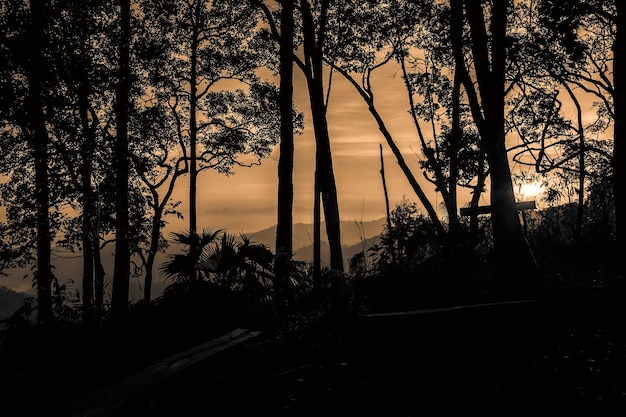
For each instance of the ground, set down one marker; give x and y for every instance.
(564, 350)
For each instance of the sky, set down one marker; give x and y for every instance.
(246, 201)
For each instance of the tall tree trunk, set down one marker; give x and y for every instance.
(515, 265)
(515, 268)
(317, 235)
(284, 228)
(89, 235)
(619, 134)
(455, 144)
(39, 143)
(193, 130)
(327, 185)
(121, 271)
(154, 245)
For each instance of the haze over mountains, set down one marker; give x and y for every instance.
(355, 236)
(352, 232)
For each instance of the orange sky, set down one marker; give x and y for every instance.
(246, 201)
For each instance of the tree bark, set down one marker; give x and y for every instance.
(515, 267)
(39, 143)
(619, 108)
(89, 234)
(326, 176)
(284, 228)
(193, 125)
(121, 272)
(317, 235)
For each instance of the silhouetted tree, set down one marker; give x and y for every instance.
(567, 25)
(121, 273)
(284, 227)
(158, 164)
(413, 37)
(312, 34)
(515, 265)
(212, 52)
(25, 80)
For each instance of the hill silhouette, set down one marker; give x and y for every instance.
(10, 301)
(352, 233)
(355, 237)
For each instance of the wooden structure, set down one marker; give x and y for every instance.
(521, 206)
(107, 401)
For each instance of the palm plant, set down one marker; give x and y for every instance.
(187, 266)
(236, 263)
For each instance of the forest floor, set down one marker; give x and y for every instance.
(566, 354)
(565, 351)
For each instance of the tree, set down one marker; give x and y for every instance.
(25, 46)
(158, 165)
(207, 98)
(593, 31)
(355, 49)
(72, 116)
(412, 39)
(314, 34)
(284, 227)
(78, 59)
(515, 265)
(211, 45)
(121, 273)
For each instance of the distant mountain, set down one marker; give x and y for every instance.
(354, 236)
(348, 251)
(352, 233)
(10, 301)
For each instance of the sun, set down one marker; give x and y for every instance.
(528, 190)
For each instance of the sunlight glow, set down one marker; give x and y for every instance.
(529, 190)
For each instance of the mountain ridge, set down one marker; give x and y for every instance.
(10, 301)
(352, 233)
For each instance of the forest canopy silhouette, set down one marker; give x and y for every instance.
(106, 107)
(112, 110)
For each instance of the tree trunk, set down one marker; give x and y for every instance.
(89, 235)
(193, 132)
(98, 281)
(317, 236)
(455, 141)
(121, 272)
(326, 176)
(515, 267)
(619, 108)
(39, 143)
(284, 228)
(152, 251)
